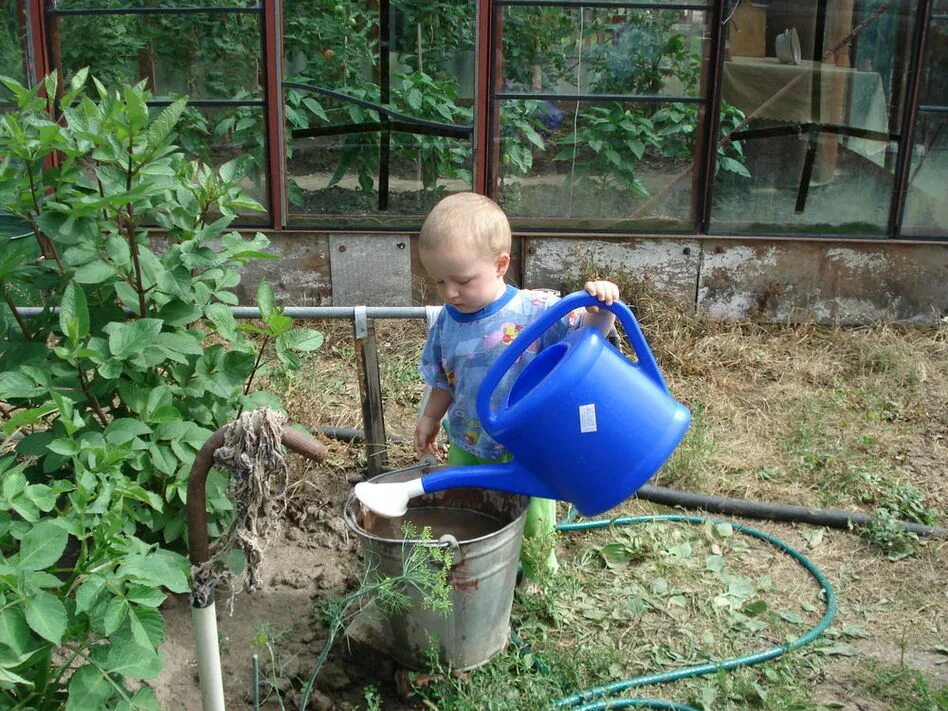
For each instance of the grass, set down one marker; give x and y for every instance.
(852, 418)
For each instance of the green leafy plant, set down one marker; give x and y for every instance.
(640, 52)
(607, 145)
(521, 138)
(133, 360)
(677, 126)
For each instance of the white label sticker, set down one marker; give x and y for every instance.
(587, 418)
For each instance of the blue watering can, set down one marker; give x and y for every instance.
(583, 422)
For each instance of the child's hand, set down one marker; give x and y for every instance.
(605, 291)
(426, 432)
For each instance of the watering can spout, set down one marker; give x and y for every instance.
(391, 499)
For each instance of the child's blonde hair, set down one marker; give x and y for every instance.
(468, 220)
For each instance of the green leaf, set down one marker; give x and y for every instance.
(144, 595)
(278, 324)
(124, 430)
(94, 273)
(130, 659)
(223, 320)
(88, 592)
(129, 339)
(64, 446)
(24, 418)
(143, 700)
(755, 608)
(414, 98)
(74, 313)
(46, 616)
(162, 126)
(315, 107)
(616, 554)
(179, 313)
(114, 616)
(14, 385)
(159, 568)
(301, 340)
(8, 678)
(43, 496)
(14, 631)
(792, 617)
(88, 689)
(42, 546)
(265, 301)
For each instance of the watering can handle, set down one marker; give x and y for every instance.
(578, 299)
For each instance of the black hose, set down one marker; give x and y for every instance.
(833, 518)
(350, 434)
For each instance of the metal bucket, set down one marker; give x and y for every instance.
(482, 578)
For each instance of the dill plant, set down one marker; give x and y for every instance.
(425, 569)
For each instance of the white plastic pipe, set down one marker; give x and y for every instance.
(204, 622)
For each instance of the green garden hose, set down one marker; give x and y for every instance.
(604, 697)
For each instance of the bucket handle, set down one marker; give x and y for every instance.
(646, 361)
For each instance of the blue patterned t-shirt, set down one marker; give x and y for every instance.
(461, 348)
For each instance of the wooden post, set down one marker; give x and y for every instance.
(370, 389)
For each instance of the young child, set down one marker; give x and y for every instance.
(465, 248)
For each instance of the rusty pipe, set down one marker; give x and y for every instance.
(196, 507)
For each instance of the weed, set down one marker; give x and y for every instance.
(888, 535)
(268, 639)
(907, 689)
(373, 700)
(774, 686)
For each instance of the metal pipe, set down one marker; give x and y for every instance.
(295, 312)
(216, 10)
(204, 619)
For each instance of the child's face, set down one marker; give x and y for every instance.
(466, 280)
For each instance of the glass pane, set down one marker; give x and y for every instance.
(206, 56)
(820, 109)
(602, 51)
(926, 210)
(597, 165)
(933, 90)
(218, 135)
(12, 35)
(337, 163)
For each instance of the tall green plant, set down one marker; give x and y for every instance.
(133, 361)
(608, 145)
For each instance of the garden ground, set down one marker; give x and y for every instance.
(852, 418)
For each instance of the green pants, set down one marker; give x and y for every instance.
(539, 529)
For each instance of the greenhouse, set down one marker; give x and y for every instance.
(604, 117)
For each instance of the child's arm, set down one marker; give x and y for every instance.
(607, 293)
(426, 431)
